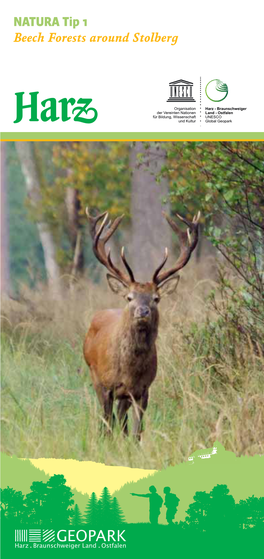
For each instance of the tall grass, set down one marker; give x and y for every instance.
(49, 408)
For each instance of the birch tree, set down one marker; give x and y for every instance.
(5, 262)
(30, 171)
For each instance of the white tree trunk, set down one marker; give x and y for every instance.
(5, 261)
(26, 155)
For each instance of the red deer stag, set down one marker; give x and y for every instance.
(119, 347)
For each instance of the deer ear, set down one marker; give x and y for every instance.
(117, 285)
(168, 286)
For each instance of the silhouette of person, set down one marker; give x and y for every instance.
(171, 502)
(155, 503)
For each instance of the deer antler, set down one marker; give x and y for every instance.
(99, 245)
(188, 241)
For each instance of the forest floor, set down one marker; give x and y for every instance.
(204, 390)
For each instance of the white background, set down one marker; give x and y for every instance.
(128, 82)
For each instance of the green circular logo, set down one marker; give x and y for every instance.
(215, 89)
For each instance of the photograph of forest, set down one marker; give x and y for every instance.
(210, 353)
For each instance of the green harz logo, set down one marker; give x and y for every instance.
(215, 90)
(83, 112)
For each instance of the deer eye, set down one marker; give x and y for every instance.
(156, 298)
(130, 297)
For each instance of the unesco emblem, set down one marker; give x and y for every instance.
(181, 92)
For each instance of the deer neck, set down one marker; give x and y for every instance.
(137, 338)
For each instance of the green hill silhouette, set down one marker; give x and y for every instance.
(243, 475)
(20, 474)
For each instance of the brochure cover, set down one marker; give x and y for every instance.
(132, 229)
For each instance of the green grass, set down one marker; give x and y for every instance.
(49, 408)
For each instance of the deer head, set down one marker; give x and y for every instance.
(142, 298)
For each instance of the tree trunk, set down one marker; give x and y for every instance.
(5, 260)
(75, 232)
(150, 231)
(26, 155)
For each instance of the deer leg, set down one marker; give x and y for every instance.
(107, 400)
(139, 407)
(122, 408)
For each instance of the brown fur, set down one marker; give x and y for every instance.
(122, 357)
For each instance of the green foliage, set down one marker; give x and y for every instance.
(225, 181)
(98, 171)
(230, 335)
(99, 174)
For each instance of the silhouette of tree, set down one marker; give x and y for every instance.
(182, 525)
(250, 512)
(117, 515)
(6, 500)
(106, 501)
(99, 512)
(35, 502)
(58, 500)
(19, 506)
(257, 505)
(243, 514)
(12, 504)
(214, 510)
(76, 517)
(222, 508)
(198, 511)
(90, 513)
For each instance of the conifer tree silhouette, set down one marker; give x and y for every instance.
(90, 514)
(106, 501)
(76, 517)
(99, 512)
(117, 515)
